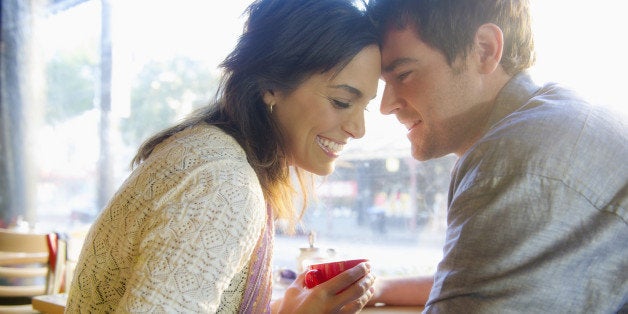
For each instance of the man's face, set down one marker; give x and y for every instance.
(435, 101)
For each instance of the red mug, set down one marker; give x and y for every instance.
(319, 273)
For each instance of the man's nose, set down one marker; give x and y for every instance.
(389, 102)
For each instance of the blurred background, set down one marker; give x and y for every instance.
(84, 82)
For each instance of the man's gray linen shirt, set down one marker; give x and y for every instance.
(538, 210)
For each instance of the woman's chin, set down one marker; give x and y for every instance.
(322, 170)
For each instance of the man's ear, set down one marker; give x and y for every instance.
(489, 45)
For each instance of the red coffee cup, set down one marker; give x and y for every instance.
(319, 273)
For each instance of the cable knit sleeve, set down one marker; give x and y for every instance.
(189, 255)
(204, 235)
(178, 234)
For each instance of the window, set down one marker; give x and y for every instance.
(78, 97)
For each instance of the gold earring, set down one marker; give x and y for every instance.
(271, 107)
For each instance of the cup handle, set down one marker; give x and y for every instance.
(312, 278)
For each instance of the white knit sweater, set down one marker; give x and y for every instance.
(178, 234)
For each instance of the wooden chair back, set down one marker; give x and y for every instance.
(30, 265)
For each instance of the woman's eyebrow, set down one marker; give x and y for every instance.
(349, 89)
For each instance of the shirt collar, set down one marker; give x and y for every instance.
(514, 95)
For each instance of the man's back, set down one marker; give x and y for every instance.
(538, 210)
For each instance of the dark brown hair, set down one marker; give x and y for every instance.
(284, 42)
(450, 25)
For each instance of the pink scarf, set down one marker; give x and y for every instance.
(258, 292)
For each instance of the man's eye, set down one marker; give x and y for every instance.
(403, 75)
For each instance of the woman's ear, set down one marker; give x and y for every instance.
(269, 99)
(489, 44)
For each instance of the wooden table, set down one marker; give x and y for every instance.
(392, 309)
(55, 304)
(51, 303)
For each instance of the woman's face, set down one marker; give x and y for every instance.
(325, 111)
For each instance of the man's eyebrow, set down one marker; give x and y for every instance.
(398, 62)
(349, 89)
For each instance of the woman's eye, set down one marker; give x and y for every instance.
(339, 104)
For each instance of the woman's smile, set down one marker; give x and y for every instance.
(331, 148)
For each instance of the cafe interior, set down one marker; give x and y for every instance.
(77, 76)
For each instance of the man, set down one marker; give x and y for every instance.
(538, 206)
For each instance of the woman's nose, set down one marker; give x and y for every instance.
(355, 124)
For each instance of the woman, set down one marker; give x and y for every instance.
(191, 229)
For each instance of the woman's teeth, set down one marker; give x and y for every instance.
(329, 146)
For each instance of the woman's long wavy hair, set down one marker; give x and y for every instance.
(284, 42)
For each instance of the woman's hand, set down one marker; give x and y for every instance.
(348, 292)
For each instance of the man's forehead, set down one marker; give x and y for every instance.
(398, 46)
